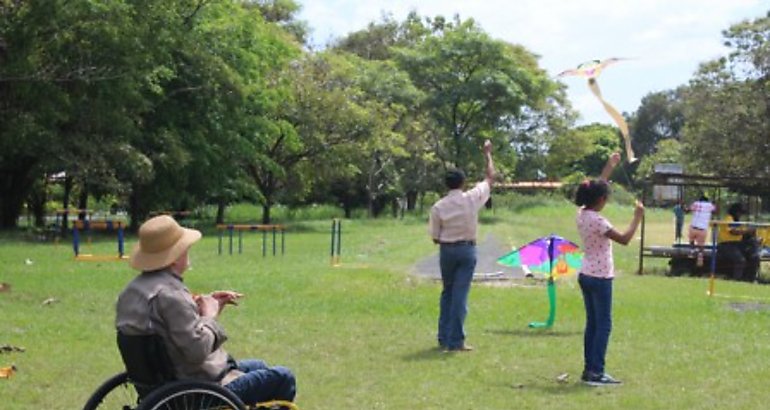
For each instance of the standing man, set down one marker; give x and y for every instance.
(453, 221)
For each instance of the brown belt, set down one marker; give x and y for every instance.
(459, 243)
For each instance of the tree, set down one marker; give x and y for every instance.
(475, 88)
(283, 13)
(323, 111)
(209, 108)
(728, 109)
(659, 117)
(411, 171)
(582, 151)
(667, 151)
(380, 39)
(69, 93)
(149, 99)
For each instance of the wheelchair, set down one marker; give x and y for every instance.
(148, 384)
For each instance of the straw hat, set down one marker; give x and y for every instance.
(161, 242)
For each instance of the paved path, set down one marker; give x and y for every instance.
(487, 267)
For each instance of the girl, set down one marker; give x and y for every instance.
(596, 275)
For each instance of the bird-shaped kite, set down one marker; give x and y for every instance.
(591, 70)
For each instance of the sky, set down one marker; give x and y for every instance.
(664, 40)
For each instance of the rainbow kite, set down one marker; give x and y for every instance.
(551, 255)
(591, 71)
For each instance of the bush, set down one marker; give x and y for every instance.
(516, 202)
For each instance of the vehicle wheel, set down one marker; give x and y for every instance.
(116, 393)
(191, 395)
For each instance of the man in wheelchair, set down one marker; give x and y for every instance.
(157, 302)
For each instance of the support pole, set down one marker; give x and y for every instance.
(230, 228)
(714, 231)
(76, 240)
(120, 240)
(264, 243)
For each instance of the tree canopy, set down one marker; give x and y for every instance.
(175, 104)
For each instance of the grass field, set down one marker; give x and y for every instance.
(362, 335)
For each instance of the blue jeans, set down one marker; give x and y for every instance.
(263, 383)
(597, 297)
(457, 263)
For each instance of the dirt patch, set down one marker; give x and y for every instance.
(749, 306)
(487, 268)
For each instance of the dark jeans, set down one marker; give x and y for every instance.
(263, 383)
(457, 265)
(597, 297)
(740, 259)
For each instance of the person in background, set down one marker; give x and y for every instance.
(699, 224)
(738, 246)
(598, 270)
(453, 224)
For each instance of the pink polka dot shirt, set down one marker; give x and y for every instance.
(597, 247)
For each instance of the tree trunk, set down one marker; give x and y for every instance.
(10, 210)
(36, 202)
(14, 188)
(370, 205)
(66, 205)
(221, 205)
(411, 200)
(136, 211)
(83, 203)
(268, 192)
(266, 213)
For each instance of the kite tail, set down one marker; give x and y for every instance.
(551, 307)
(619, 120)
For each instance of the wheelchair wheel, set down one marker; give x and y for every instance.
(191, 395)
(117, 393)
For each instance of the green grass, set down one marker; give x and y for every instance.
(362, 335)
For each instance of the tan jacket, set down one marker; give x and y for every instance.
(158, 302)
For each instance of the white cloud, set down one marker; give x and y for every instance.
(666, 39)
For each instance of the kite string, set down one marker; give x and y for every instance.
(628, 178)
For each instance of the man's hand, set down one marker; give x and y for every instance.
(226, 297)
(208, 306)
(614, 159)
(490, 168)
(211, 305)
